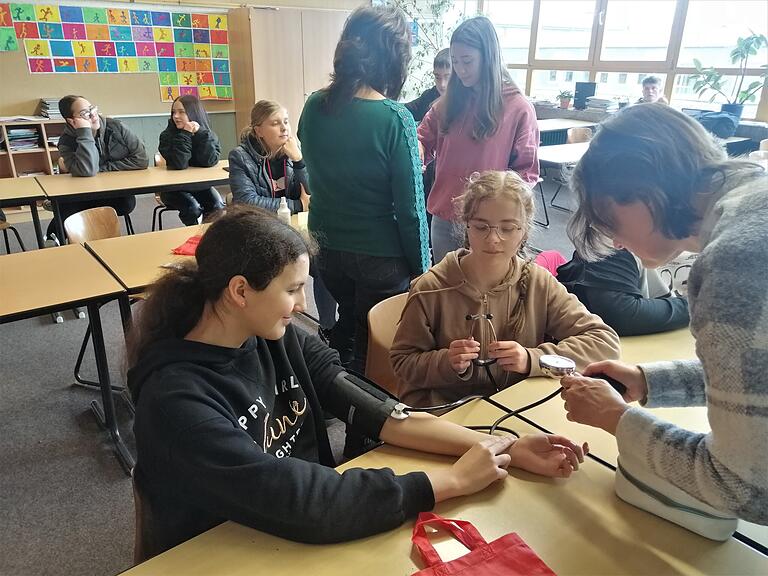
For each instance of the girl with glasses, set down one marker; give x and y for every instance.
(479, 320)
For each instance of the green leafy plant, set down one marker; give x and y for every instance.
(565, 95)
(435, 26)
(710, 79)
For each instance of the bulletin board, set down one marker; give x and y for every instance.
(154, 55)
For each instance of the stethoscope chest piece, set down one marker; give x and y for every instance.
(556, 366)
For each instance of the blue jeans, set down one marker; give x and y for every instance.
(446, 238)
(326, 305)
(191, 205)
(358, 282)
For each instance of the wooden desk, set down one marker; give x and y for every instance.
(20, 192)
(136, 261)
(553, 124)
(576, 525)
(63, 187)
(562, 154)
(676, 345)
(44, 281)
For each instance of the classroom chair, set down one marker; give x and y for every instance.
(161, 208)
(87, 226)
(5, 226)
(575, 136)
(143, 515)
(382, 325)
(545, 223)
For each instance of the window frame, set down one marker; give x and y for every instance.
(594, 65)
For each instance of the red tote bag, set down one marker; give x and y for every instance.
(505, 556)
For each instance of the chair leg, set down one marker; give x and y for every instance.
(544, 224)
(558, 206)
(155, 215)
(128, 224)
(160, 217)
(7, 244)
(18, 239)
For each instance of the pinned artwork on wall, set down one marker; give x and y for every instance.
(188, 51)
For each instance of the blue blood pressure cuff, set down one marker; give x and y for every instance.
(368, 405)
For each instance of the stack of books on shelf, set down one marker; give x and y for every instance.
(22, 139)
(49, 107)
(53, 141)
(602, 104)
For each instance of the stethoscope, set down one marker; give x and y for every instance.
(552, 365)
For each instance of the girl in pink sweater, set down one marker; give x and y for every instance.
(484, 122)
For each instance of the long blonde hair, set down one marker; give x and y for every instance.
(262, 110)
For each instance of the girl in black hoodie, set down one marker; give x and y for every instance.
(230, 400)
(189, 141)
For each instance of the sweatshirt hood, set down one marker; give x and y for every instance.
(179, 351)
(253, 147)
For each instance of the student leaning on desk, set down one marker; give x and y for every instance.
(91, 144)
(230, 402)
(654, 182)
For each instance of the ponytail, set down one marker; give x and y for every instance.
(173, 306)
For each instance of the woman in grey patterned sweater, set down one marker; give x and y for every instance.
(654, 182)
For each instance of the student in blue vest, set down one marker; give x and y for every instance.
(230, 399)
(189, 141)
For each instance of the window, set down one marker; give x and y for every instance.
(519, 77)
(633, 31)
(712, 28)
(569, 76)
(683, 95)
(615, 85)
(641, 77)
(565, 29)
(544, 87)
(552, 75)
(513, 25)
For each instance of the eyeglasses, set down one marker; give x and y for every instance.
(503, 231)
(88, 113)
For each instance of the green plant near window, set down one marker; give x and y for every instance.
(709, 79)
(434, 34)
(565, 95)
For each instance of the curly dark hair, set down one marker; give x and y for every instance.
(245, 241)
(374, 50)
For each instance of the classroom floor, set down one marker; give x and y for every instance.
(67, 505)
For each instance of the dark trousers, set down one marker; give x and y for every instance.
(358, 282)
(192, 205)
(122, 206)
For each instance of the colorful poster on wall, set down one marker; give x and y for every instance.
(189, 51)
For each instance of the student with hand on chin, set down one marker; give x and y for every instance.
(91, 144)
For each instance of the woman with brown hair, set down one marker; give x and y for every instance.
(268, 163)
(483, 122)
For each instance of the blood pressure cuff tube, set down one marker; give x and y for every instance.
(368, 406)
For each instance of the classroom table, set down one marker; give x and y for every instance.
(562, 154)
(156, 179)
(554, 131)
(138, 260)
(576, 525)
(43, 281)
(550, 416)
(20, 192)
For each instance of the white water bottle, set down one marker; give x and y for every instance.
(284, 213)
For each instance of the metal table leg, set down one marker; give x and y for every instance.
(36, 222)
(106, 417)
(57, 221)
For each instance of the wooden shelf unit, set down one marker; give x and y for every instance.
(15, 163)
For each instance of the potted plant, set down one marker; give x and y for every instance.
(712, 80)
(565, 97)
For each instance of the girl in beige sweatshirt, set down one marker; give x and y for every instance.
(489, 303)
